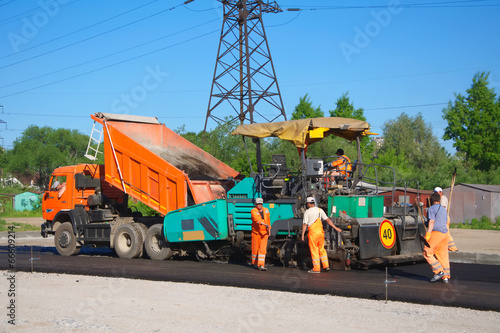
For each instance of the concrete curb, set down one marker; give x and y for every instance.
(475, 258)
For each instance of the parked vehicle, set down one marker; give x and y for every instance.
(204, 205)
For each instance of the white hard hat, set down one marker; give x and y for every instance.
(438, 189)
(311, 200)
(259, 201)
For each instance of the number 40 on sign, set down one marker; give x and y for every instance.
(387, 234)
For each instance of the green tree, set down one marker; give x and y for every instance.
(222, 145)
(474, 123)
(305, 109)
(40, 150)
(3, 162)
(410, 140)
(344, 108)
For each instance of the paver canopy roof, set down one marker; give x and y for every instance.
(303, 132)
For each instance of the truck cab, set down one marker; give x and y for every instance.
(76, 186)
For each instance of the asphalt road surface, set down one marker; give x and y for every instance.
(472, 286)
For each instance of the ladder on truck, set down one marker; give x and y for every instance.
(94, 143)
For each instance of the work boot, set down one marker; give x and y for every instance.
(437, 277)
(313, 271)
(445, 280)
(326, 269)
(262, 268)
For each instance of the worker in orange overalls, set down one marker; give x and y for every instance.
(436, 253)
(444, 202)
(313, 218)
(261, 228)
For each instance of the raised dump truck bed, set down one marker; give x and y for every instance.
(143, 159)
(156, 166)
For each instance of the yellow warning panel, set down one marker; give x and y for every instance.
(193, 235)
(317, 133)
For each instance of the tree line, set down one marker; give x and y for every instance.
(409, 145)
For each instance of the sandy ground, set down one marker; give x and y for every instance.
(61, 303)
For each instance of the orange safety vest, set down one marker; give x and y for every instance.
(259, 223)
(342, 164)
(261, 226)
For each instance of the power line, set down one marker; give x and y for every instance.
(6, 3)
(111, 65)
(405, 106)
(446, 4)
(73, 116)
(79, 30)
(108, 55)
(202, 10)
(290, 21)
(92, 37)
(365, 109)
(15, 17)
(394, 76)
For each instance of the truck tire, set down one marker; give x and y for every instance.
(156, 246)
(65, 240)
(143, 229)
(128, 241)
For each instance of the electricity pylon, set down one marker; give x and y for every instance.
(244, 76)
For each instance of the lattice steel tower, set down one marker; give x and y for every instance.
(244, 77)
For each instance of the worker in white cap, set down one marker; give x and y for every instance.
(313, 218)
(261, 228)
(444, 202)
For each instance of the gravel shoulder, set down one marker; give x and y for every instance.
(61, 303)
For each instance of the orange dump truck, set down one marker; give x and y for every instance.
(86, 204)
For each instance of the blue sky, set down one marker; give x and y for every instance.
(62, 60)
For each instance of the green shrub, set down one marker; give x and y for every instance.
(484, 223)
(138, 206)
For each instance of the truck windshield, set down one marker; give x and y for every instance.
(56, 181)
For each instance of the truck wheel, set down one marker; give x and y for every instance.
(156, 246)
(143, 229)
(65, 240)
(128, 241)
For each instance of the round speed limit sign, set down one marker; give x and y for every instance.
(387, 234)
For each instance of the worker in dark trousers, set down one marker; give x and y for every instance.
(261, 228)
(436, 253)
(313, 218)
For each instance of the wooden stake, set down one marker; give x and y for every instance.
(421, 214)
(451, 191)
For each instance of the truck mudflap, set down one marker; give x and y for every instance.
(203, 222)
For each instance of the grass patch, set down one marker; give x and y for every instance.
(484, 223)
(17, 226)
(26, 213)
